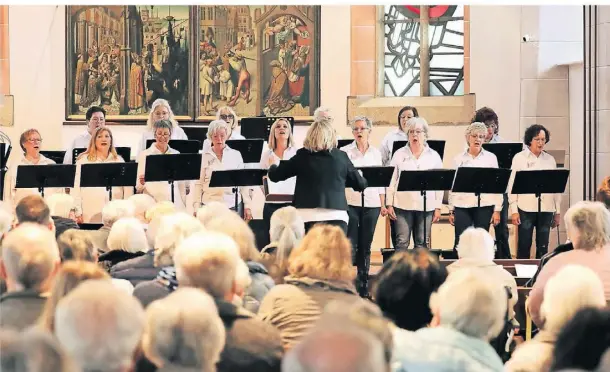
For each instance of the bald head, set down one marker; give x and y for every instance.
(29, 257)
(360, 351)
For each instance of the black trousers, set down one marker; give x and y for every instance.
(467, 217)
(501, 230)
(361, 249)
(342, 224)
(529, 221)
(268, 210)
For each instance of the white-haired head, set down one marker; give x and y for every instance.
(572, 288)
(416, 123)
(117, 209)
(287, 229)
(209, 261)
(184, 330)
(172, 230)
(100, 326)
(212, 210)
(30, 257)
(158, 104)
(476, 243)
(142, 203)
(228, 115)
(478, 129)
(237, 229)
(323, 114)
(61, 205)
(218, 125)
(588, 225)
(471, 304)
(127, 234)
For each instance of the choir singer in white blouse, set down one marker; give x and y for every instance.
(229, 116)
(463, 206)
(407, 207)
(220, 157)
(281, 147)
(362, 154)
(524, 208)
(161, 190)
(91, 200)
(160, 110)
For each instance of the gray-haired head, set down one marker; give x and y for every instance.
(475, 129)
(218, 125)
(366, 120)
(415, 123)
(163, 124)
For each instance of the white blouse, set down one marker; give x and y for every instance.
(485, 159)
(388, 143)
(12, 194)
(160, 190)
(283, 187)
(372, 157)
(91, 200)
(177, 134)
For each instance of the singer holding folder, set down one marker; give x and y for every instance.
(161, 190)
(406, 208)
(362, 154)
(91, 200)
(464, 210)
(323, 172)
(281, 147)
(220, 157)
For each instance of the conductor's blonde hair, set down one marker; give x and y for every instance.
(321, 136)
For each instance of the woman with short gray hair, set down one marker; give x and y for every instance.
(228, 115)
(160, 190)
(406, 208)
(588, 227)
(220, 157)
(463, 207)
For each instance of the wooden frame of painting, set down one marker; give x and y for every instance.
(239, 44)
(125, 57)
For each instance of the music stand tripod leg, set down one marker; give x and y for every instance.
(423, 192)
(171, 183)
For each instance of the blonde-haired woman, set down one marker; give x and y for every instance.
(320, 271)
(160, 110)
(91, 200)
(463, 211)
(323, 172)
(228, 115)
(281, 147)
(30, 142)
(219, 157)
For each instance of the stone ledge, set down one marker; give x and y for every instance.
(437, 110)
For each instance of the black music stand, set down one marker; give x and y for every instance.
(172, 167)
(436, 145)
(236, 178)
(56, 156)
(260, 127)
(344, 142)
(108, 175)
(196, 133)
(504, 152)
(426, 180)
(481, 181)
(5, 152)
(182, 146)
(124, 152)
(45, 176)
(250, 149)
(538, 182)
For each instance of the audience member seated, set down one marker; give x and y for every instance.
(403, 287)
(235, 227)
(153, 218)
(155, 270)
(286, 232)
(588, 228)
(468, 312)
(76, 245)
(210, 261)
(211, 211)
(63, 212)
(183, 330)
(320, 350)
(572, 288)
(112, 212)
(34, 209)
(99, 326)
(126, 240)
(69, 276)
(603, 193)
(476, 251)
(142, 203)
(320, 271)
(583, 340)
(32, 350)
(28, 263)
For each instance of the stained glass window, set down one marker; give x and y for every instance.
(402, 52)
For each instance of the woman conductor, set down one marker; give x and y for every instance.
(323, 172)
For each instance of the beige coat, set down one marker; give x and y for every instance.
(535, 355)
